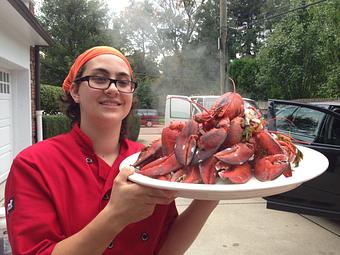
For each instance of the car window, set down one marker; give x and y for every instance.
(307, 121)
(284, 116)
(179, 108)
(208, 102)
(142, 112)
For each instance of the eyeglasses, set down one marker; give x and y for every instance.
(103, 83)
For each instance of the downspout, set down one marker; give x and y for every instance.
(39, 112)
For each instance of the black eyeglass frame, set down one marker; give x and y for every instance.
(114, 81)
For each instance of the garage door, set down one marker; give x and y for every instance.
(6, 142)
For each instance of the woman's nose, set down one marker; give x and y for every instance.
(112, 89)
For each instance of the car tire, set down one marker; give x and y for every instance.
(149, 124)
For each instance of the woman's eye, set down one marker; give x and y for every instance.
(99, 79)
(123, 83)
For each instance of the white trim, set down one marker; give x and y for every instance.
(22, 111)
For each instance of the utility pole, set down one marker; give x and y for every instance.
(222, 43)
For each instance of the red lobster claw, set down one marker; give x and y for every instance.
(237, 154)
(209, 143)
(235, 132)
(161, 166)
(238, 174)
(208, 171)
(271, 167)
(149, 153)
(185, 146)
(192, 175)
(169, 135)
(266, 144)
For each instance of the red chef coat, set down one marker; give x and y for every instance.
(57, 186)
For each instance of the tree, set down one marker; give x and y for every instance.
(243, 71)
(301, 58)
(146, 98)
(74, 25)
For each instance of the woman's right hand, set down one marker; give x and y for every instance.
(131, 202)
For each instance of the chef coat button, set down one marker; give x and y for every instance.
(110, 245)
(106, 196)
(144, 236)
(89, 160)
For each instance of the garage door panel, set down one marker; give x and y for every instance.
(6, 139)
(4, 106)
(5, 161)
(5, 122)
(4, 136)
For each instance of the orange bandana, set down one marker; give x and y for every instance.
(88, 55)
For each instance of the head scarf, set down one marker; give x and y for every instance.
(88, 55)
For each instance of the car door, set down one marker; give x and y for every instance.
(317, 127)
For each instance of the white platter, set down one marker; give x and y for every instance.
(313, 164)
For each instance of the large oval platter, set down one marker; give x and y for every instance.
(313, 164)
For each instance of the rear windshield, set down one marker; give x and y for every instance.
(142, 112)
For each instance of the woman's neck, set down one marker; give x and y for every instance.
(105, 139)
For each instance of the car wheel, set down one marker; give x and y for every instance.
(149, 124)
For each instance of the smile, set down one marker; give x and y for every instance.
(110, 103)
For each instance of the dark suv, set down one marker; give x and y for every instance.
(317, 126)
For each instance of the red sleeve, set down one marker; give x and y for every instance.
(32, 223)
(170, 217)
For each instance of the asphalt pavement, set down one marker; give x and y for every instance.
(246, 227)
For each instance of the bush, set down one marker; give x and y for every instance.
(133, 127)
(50, 99)
(55, 124)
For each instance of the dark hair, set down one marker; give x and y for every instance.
(72, 109)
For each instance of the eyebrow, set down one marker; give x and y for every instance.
(106, 72)
(100, 70)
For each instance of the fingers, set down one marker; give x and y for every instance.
(157, 196)
(125, 173)
(147, 194)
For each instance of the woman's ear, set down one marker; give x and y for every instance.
(74, 92)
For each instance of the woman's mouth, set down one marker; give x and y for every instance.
(110, 103)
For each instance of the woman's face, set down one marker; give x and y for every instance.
(109, 106)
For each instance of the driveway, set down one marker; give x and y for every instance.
(246, 227)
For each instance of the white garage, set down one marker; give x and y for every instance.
(6, 139)
(20, 38)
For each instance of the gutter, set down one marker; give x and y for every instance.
(38, 112)
(22, 9)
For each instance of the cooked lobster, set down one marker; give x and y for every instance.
(226, 142)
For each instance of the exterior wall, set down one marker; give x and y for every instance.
(15, 58)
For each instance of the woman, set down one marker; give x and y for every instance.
(65, 195)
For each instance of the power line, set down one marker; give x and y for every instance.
(286, 12)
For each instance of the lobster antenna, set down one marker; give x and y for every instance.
(234, 86)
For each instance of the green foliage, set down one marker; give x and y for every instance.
(301, 57)
(243, 71)
(172, 45)
(58, 124)
(133, 127)
(75, 25)
(55, 124)
(50, 99)
(146, 97)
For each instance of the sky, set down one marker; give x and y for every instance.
(117, 5)
(114, 5)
